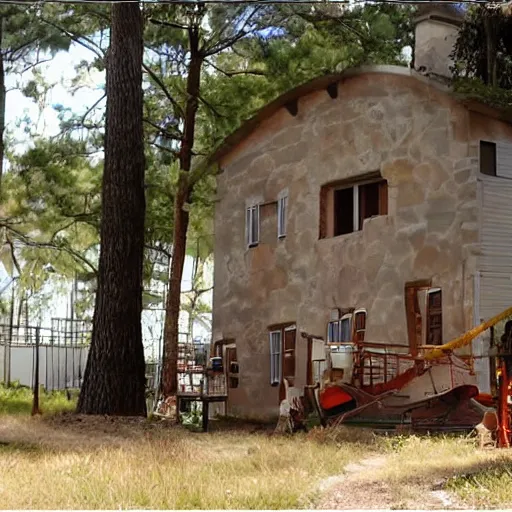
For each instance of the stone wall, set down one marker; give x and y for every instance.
(418, 137)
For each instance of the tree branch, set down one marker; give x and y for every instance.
(167, 24)
(45, 245)
(162, 86)
(78, 39)
(230, 74)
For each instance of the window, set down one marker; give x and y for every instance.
(282, 354)
(281, 216)
(275, 358)
(252, 225)
(345, 206)
(340, 330)
(488, 158)
(424, 311)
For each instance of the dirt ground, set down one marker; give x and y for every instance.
(361, 487)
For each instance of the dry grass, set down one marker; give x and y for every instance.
(89, 463)
(418, 465)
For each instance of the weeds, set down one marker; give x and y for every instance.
(17, 400)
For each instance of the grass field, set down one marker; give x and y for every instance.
(87, 463)
(65, 461)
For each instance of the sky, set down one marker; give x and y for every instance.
(60, 71)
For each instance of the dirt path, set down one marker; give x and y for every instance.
(364, 486)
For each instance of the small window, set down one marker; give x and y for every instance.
(282, 204)
(488, 158)
(252, 225)
(275, 357)
(340, 330)
(344, 208)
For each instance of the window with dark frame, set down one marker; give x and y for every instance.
(344, 208)
(488, 158)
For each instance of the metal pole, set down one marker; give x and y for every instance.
(7, 354)
(35, 405)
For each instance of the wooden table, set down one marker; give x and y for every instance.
(205, 399)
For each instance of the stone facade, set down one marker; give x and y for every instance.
(391, 121)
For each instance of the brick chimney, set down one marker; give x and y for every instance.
(436, 29)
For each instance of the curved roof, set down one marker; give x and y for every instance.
(323, 82)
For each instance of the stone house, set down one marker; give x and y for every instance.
(349, 194)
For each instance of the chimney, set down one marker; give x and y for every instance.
(436, 30)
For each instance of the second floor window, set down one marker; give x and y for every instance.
(345, 206)
(252, 226)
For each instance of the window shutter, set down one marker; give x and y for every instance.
(232, 367)
(504, 159)
(281, 216)
(360, 324)
(252, 225)
(289, 355)
(434, 318)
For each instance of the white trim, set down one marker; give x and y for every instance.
(252, 239)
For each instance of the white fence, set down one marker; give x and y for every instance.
(59, 367)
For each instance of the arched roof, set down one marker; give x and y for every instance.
(329, 82)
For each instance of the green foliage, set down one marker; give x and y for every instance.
(484, 42)
(16, 399)
(474, 88)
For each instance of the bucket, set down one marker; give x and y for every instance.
(216, 364)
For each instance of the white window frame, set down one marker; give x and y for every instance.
(337, 329)
(282, 204)
(252, 226)
(276, 357)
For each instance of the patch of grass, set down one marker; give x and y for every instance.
(170, 468)
(486, 487)
(16, 399)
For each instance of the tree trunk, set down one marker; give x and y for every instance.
(2, 101)
(181, 219)
(114, 381)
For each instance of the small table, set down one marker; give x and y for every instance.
(189, 396)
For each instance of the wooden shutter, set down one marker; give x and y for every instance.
(289, 355)
(360, 325)
(232, 367)
(434, 318)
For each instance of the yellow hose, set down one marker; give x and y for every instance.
(467, 337)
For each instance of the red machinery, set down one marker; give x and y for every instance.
(376, 384)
